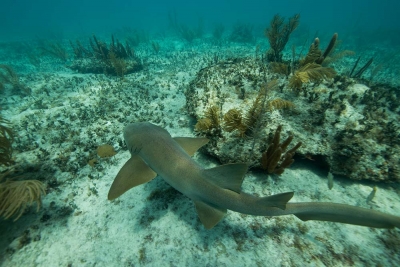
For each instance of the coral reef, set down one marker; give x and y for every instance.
(350, 127)
(245, 123)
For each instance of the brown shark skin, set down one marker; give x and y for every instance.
(335, 212)
(167, 158)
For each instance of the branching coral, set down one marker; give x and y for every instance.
(278, 34)
(213, 114)
(272, 159)
(251, 121)
(119, 64)
(101, 51)
(361, 70)
(311, 69)
(315, 55)
(328, 49)
(253, 115)
(79, 50)
(115, 58)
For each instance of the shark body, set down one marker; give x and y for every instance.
(218, 189)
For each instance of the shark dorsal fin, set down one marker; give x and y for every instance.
(228, 176)
(135, 172)
(209, 215)
(191, 144)
(278, 200)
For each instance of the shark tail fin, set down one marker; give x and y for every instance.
(278, 200)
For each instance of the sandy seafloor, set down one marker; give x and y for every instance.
(58, 130)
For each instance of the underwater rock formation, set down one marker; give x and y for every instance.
(352, 127)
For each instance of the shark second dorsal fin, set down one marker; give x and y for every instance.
(191, 144)
(278, 200)
(228, 176)
(135, 172)
(209, 215)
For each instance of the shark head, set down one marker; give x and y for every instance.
(136, 135)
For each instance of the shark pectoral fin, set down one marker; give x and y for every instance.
(209, 215)
(278, 200)
(134, 172)
(190, 144)
(228, 176)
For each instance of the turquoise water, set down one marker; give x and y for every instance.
(23, 19)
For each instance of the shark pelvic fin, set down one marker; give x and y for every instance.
(190, 144)
(228, 176)
(135, 172)
(209, 215)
